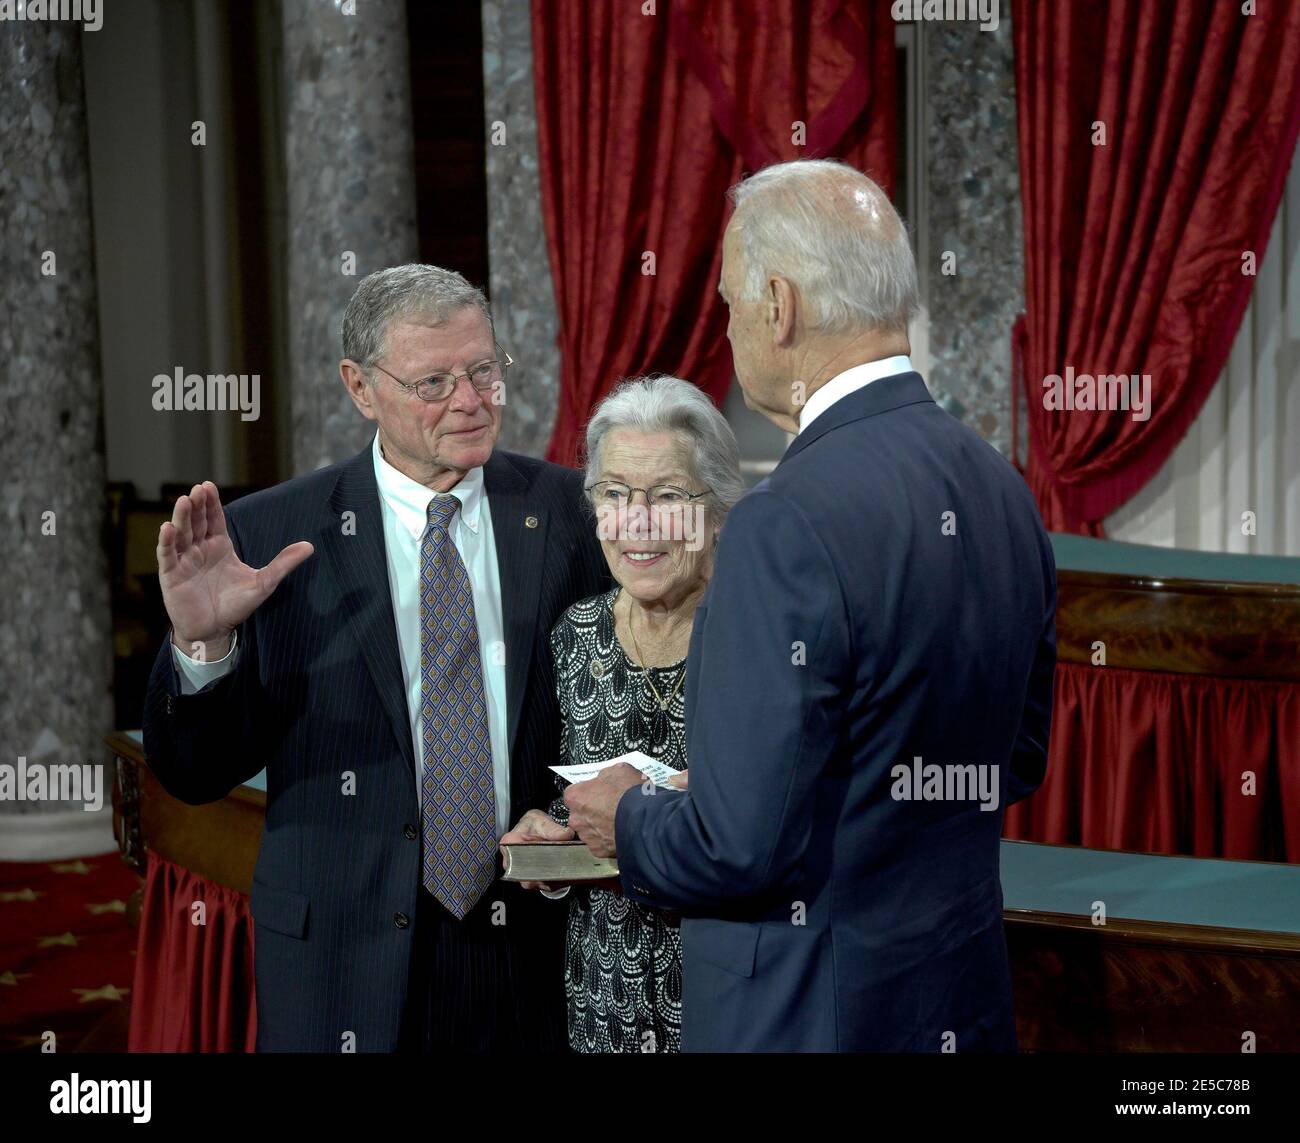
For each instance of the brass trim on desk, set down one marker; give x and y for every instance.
(1171, 934)
(1132, 581)
(123, 745)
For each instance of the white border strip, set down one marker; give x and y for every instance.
(57, 836)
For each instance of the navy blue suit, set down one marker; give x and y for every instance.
(318, 692)
(852, 626)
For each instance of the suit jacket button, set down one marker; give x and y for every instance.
(409, 831)
(168, 705)
(401, 920)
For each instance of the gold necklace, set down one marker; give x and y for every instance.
(645, 672)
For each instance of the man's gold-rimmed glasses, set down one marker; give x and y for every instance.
(484, 376)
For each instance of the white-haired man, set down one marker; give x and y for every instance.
(375, 634)
(869, 677)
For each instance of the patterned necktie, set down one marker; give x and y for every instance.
(457, 806)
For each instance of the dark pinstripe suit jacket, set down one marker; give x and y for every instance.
(317, 693)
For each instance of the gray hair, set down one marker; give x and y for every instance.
(835, 235)
(660, 403)
(413, 290)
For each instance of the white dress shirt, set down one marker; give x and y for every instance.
(404, 508)
(850, 381)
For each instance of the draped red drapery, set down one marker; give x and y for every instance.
(644, 119)
(1154, 144)
(1162, 763)
(193, 989)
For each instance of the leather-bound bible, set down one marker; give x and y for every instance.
(558, 862)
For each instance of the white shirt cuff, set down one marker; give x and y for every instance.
(195, 674)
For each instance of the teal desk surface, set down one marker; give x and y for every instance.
(1085, 554)
(1255, 895)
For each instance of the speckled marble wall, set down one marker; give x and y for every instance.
(523, 304)
(350, 170)
(54, 619)
(973, 178)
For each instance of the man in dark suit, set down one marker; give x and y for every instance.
(374, 634)
(870, 672)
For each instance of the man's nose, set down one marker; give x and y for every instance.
(465, 398)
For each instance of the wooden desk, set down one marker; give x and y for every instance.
(1194, 952)
(218, 841)
(1187, 613)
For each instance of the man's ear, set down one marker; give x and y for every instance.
(781, 303)
(358, 387)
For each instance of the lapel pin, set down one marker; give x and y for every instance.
(530, 521)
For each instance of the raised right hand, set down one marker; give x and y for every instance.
(207, 589)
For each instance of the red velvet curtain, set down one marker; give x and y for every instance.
(194, 988)
(1133, 249)
(644, 121)
(1159, 763)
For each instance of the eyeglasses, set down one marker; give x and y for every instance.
(439, 386)
(619, 495)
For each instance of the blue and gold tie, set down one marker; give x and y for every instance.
(457, 806)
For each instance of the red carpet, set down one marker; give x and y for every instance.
(66, 952)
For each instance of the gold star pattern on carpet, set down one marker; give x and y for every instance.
(10, 977)
(108, 992)
(77, 866)
(19, 895)
(53, 942)
(108, 907)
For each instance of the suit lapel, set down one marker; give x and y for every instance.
(353, 546)
(520, 529)
(356, 556)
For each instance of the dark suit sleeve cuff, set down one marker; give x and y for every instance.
(634, 807)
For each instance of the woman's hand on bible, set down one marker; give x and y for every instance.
(537, 826)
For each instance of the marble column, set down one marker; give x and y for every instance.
(55, 632)
(973, 179)
(523, 300)
(351, 180)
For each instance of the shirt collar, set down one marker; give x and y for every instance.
(409, 500)
(850, 381)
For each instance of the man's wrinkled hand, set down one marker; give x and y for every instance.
(593, 804)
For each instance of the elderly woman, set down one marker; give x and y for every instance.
(662, 472)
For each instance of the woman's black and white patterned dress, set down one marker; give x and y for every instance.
(623, 961)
